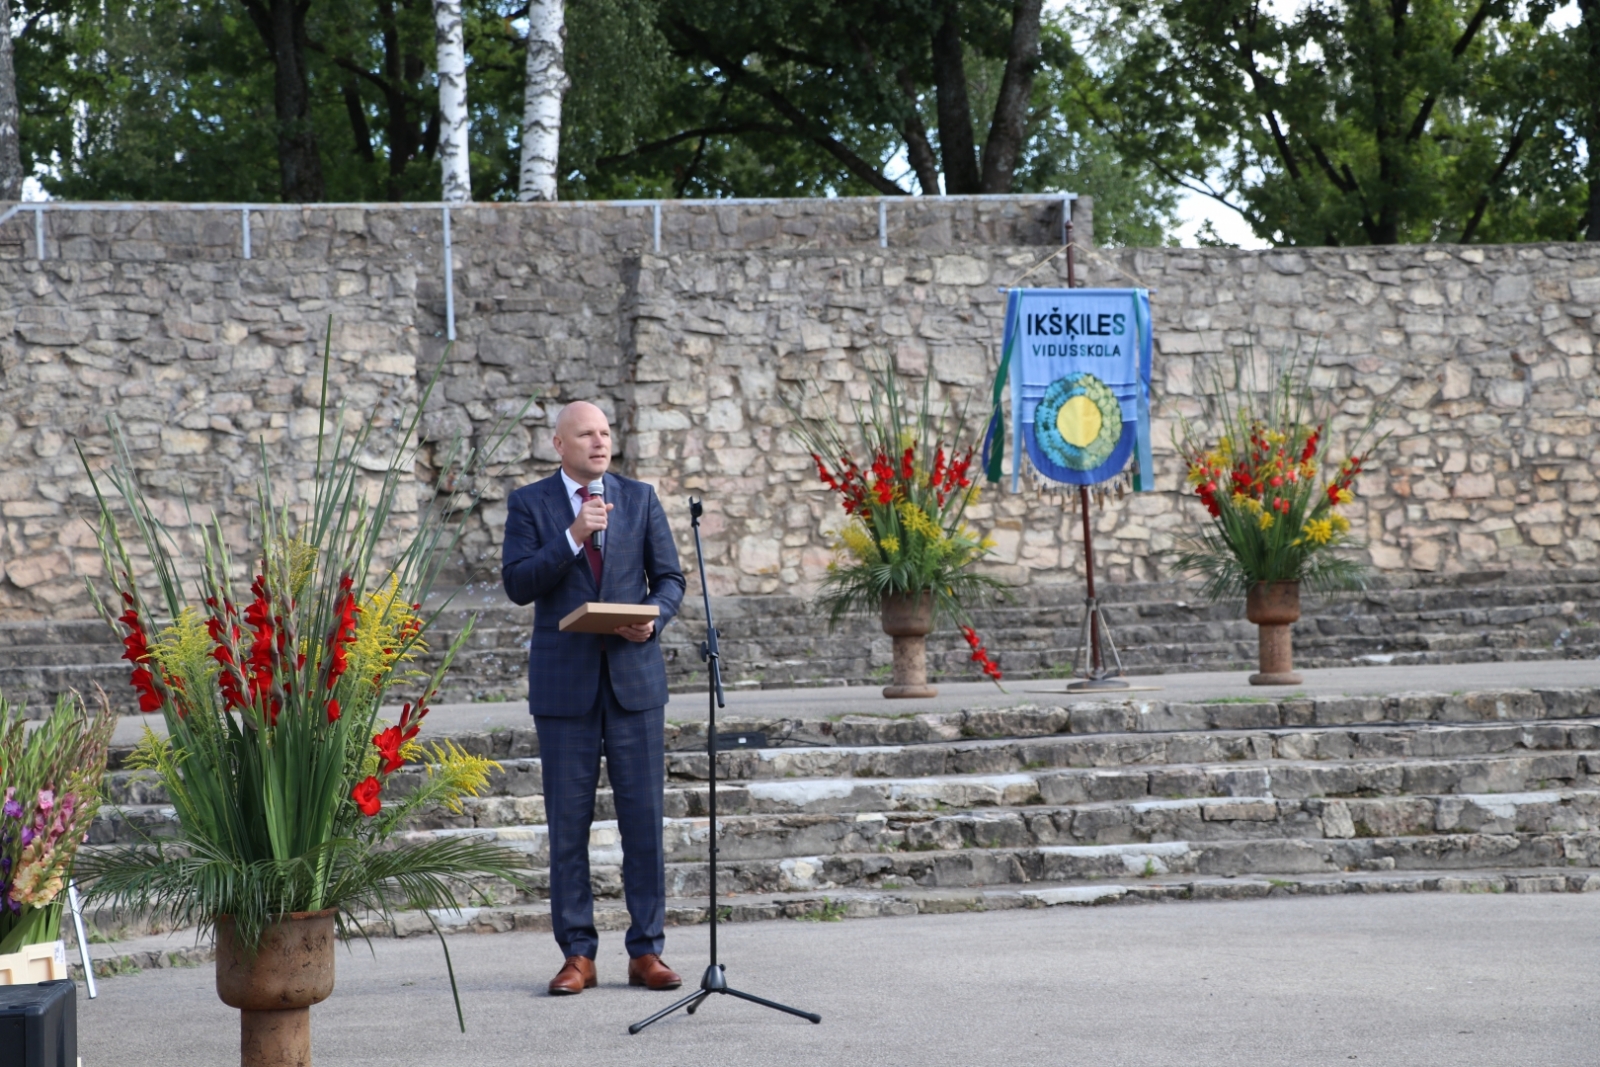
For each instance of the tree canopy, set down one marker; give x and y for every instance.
(1348, 121)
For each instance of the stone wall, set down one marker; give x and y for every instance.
(1478, 359)
(1482, 358)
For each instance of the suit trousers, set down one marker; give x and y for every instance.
(569, 756)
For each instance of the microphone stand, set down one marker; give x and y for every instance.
(715, 979)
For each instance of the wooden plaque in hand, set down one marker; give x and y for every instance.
(598, 618)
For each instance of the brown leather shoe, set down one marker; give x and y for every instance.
(651, 973)
(576, 975)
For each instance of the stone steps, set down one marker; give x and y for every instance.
(1090, 734)
(783, 640)
(140, 812)
(1155, 836)
(1088, 802)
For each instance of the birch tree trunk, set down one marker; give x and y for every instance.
(10, 114)
(454, 122)
(541, 108)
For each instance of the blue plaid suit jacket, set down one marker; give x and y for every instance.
(539, 567)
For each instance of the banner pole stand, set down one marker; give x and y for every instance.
(1090, 661)
(1089, 657)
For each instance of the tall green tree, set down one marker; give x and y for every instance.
(1584, 78)
(177, 99)
(1354, 121)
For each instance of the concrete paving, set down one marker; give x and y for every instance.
(1196, 687)
(1401, 980)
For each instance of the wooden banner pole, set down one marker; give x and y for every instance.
(1097, 676)
(1096, 666)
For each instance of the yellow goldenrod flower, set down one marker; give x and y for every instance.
(1319, 531)
(890, 545)
(858, 541)
(1340, 523)
(184, 648)
(916, 520)
(383, 628)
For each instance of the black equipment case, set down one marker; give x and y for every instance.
(39, 1024)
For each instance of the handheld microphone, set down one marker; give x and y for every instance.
(597, 491)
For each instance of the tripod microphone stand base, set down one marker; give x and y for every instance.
(715, 980)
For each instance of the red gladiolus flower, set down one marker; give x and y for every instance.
(136, 650)
(344, 631)
(1311, 445)
(365, 794)
(145, 682)
(260, 660)
(907, 469)
(388, 744)
(333, 710)
(980, 655)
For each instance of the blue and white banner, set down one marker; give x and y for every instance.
(1079, 366)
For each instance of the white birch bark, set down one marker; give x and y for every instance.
(454, 124)
(10, 137)
(541, 108)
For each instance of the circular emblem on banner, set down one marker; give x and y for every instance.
(1079, 422)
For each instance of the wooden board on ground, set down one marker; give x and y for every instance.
(596, 617)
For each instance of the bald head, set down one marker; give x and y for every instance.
(583, 441)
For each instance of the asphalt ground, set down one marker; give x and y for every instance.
(1200, 686)
(1384, 981)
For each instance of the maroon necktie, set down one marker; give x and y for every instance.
(589, 550)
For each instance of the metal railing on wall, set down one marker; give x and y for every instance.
(42, 208)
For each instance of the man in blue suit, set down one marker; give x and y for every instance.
(597, 693)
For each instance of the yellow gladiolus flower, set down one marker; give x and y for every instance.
(1340, 523)
(1265, 519)
(1346, 496)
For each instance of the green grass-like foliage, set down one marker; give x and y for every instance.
(269, 677)
(51, 779)
(902, 477)
(1271, 488)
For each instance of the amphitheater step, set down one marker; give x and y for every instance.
(783, 640)
(1402, 757)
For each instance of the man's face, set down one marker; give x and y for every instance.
(583, 441)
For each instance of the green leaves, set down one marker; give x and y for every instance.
(270, 677)
(1355, 122)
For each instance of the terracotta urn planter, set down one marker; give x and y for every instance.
(275, 988)
(909, 619)
(1273, 606)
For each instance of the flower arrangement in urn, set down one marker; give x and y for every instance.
(51, 778)
(905, 550)
(1272, 490)
(270, 678)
